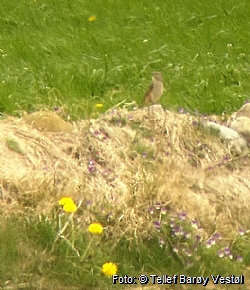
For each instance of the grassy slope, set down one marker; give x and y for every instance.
(51, 55)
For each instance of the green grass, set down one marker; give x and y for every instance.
(14, 146)
(32, 254)
(52, 55)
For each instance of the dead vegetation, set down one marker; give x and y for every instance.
(123, 162)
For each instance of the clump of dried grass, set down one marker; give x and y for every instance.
(47, 121)
(123, 162)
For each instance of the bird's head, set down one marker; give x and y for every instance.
(157, 75)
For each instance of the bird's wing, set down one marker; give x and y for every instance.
(150, 88)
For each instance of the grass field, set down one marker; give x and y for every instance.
(76, 54)
(56, 54)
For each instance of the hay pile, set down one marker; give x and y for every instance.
(122, 163)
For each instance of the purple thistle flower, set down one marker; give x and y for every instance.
(241, 232)
(182, 215)
(161, 242)
(163, 210)
(175, 249)
(221, 253)
(210, 243)
(225, 158)
(227, 251)
(178, 231)
(157, 225)
(91, 166)
(187, 235)
(217, 236)
(158, 205)
(151, 210)
(194, 224)
(181, 110)
(172, 224)
(188, 252)
(239, 258)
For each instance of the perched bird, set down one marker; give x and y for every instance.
(155, 90)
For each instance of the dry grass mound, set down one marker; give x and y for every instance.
(122, 163)
(47, 121)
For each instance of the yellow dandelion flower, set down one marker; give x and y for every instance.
(109, 269)
(95, 228)
(65, 200)
(98, 106)
(92, 18)
(69, 207)
(68, 204)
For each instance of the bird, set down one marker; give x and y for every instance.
(155, 89)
